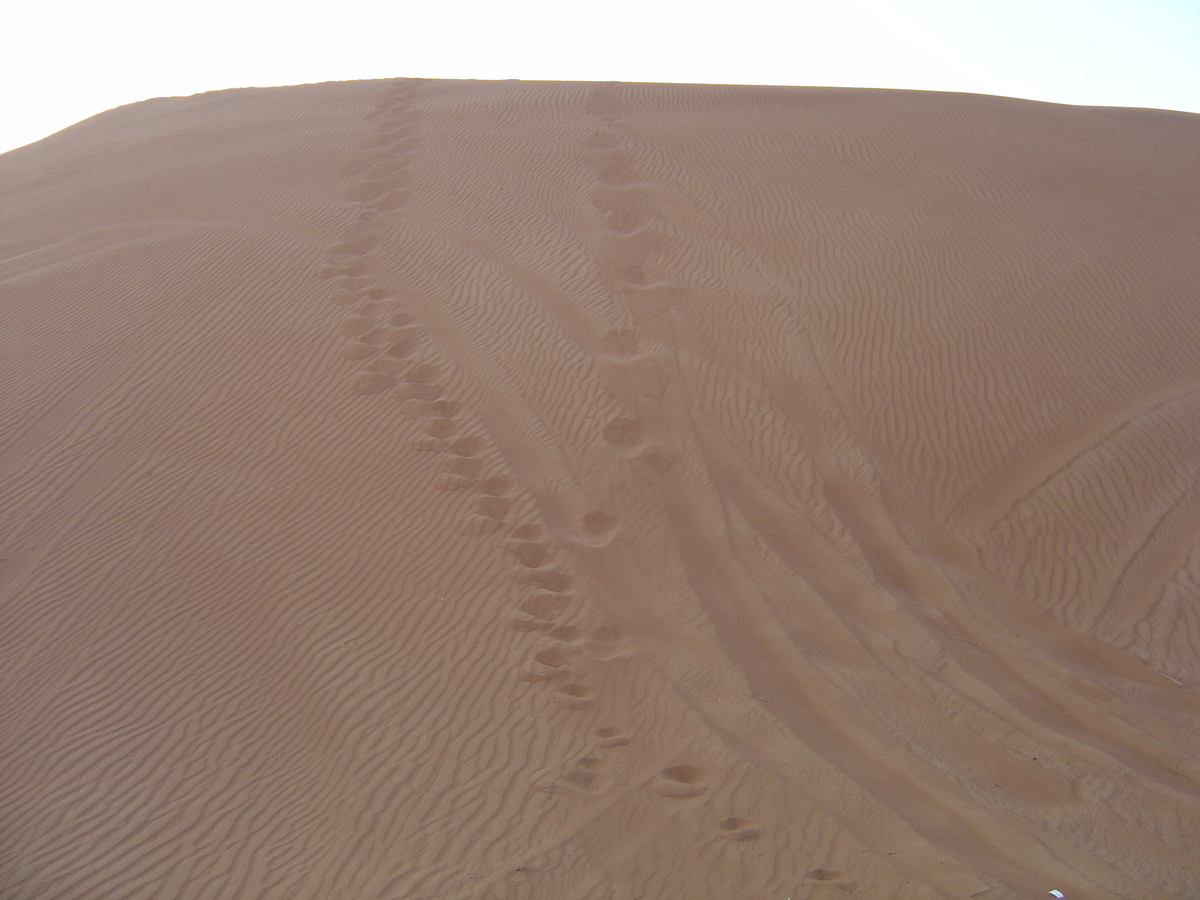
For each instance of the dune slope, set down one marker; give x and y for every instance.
(428, 489)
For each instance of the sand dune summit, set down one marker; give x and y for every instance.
(483, 491)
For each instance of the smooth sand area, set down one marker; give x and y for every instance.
(429, 490)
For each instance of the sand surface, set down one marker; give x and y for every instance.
(510, 490)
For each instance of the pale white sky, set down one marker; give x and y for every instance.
(62, 62)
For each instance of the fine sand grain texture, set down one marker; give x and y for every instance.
(526, 491)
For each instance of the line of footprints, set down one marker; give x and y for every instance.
(640, 378)
(540, 611)
(626, 372)
(392, 349)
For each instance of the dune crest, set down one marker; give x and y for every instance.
(424, 489)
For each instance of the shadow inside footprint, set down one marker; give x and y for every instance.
(738, 829)
(680, 782)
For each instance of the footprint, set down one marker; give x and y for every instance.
(423, 373)
(400, 319)
(530, 554)
(497, 485)
(589, 774)
(603, 103)
(615, 169)
(609, 737)
(547, 579)
(737, 829)
(367, 383)
(405, 343)
(574, 696)
(598, 527)
(368, 309)
(464, 467)
(623, 432)
(625, 220)
(390, 201)
(424, 393)
(353, 278)
(535, 673)
(640, 376)
(449, 482)
(603, 140)
(680, 782)
(359, 350)
(554, 657)
(528, 532)
(353, 326)
(421, 401)
(545, 605)
(345, 296)
(620, 342)
(495, 508)
(467, 446)
(359, 164)
(354, 247)
(440, 428)
(363, 191)
(377, 336)
(374, 141)
(386, 367)
(525, 624)
(568, 634)
(825, 874)
(658, 458)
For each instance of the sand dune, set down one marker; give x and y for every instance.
(429, 489)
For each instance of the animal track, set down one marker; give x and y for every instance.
(530, 554)
(516, 622)
(466, 467)
(644, 376)
(385, 366)
(603, 140)
(568, 634)
(609, 738)
(423, 393)
(497, 485)
(623, 432)
(440, 428)
(359, 350)
(555, 657)
(598, 527)
(545, 605)
(378, 180)
(547, 579)
(536, 672)
(737, 829)
(825, 875)
(590, 774)
(574, 696)
(354, 326)
(467, 446)
(659, 459)
(367, 383)
(405, 342)
(621, 342)
(680, 782)
(492, 507)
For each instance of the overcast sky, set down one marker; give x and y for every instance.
(62, 62)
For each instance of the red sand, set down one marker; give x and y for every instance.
(514, 490)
